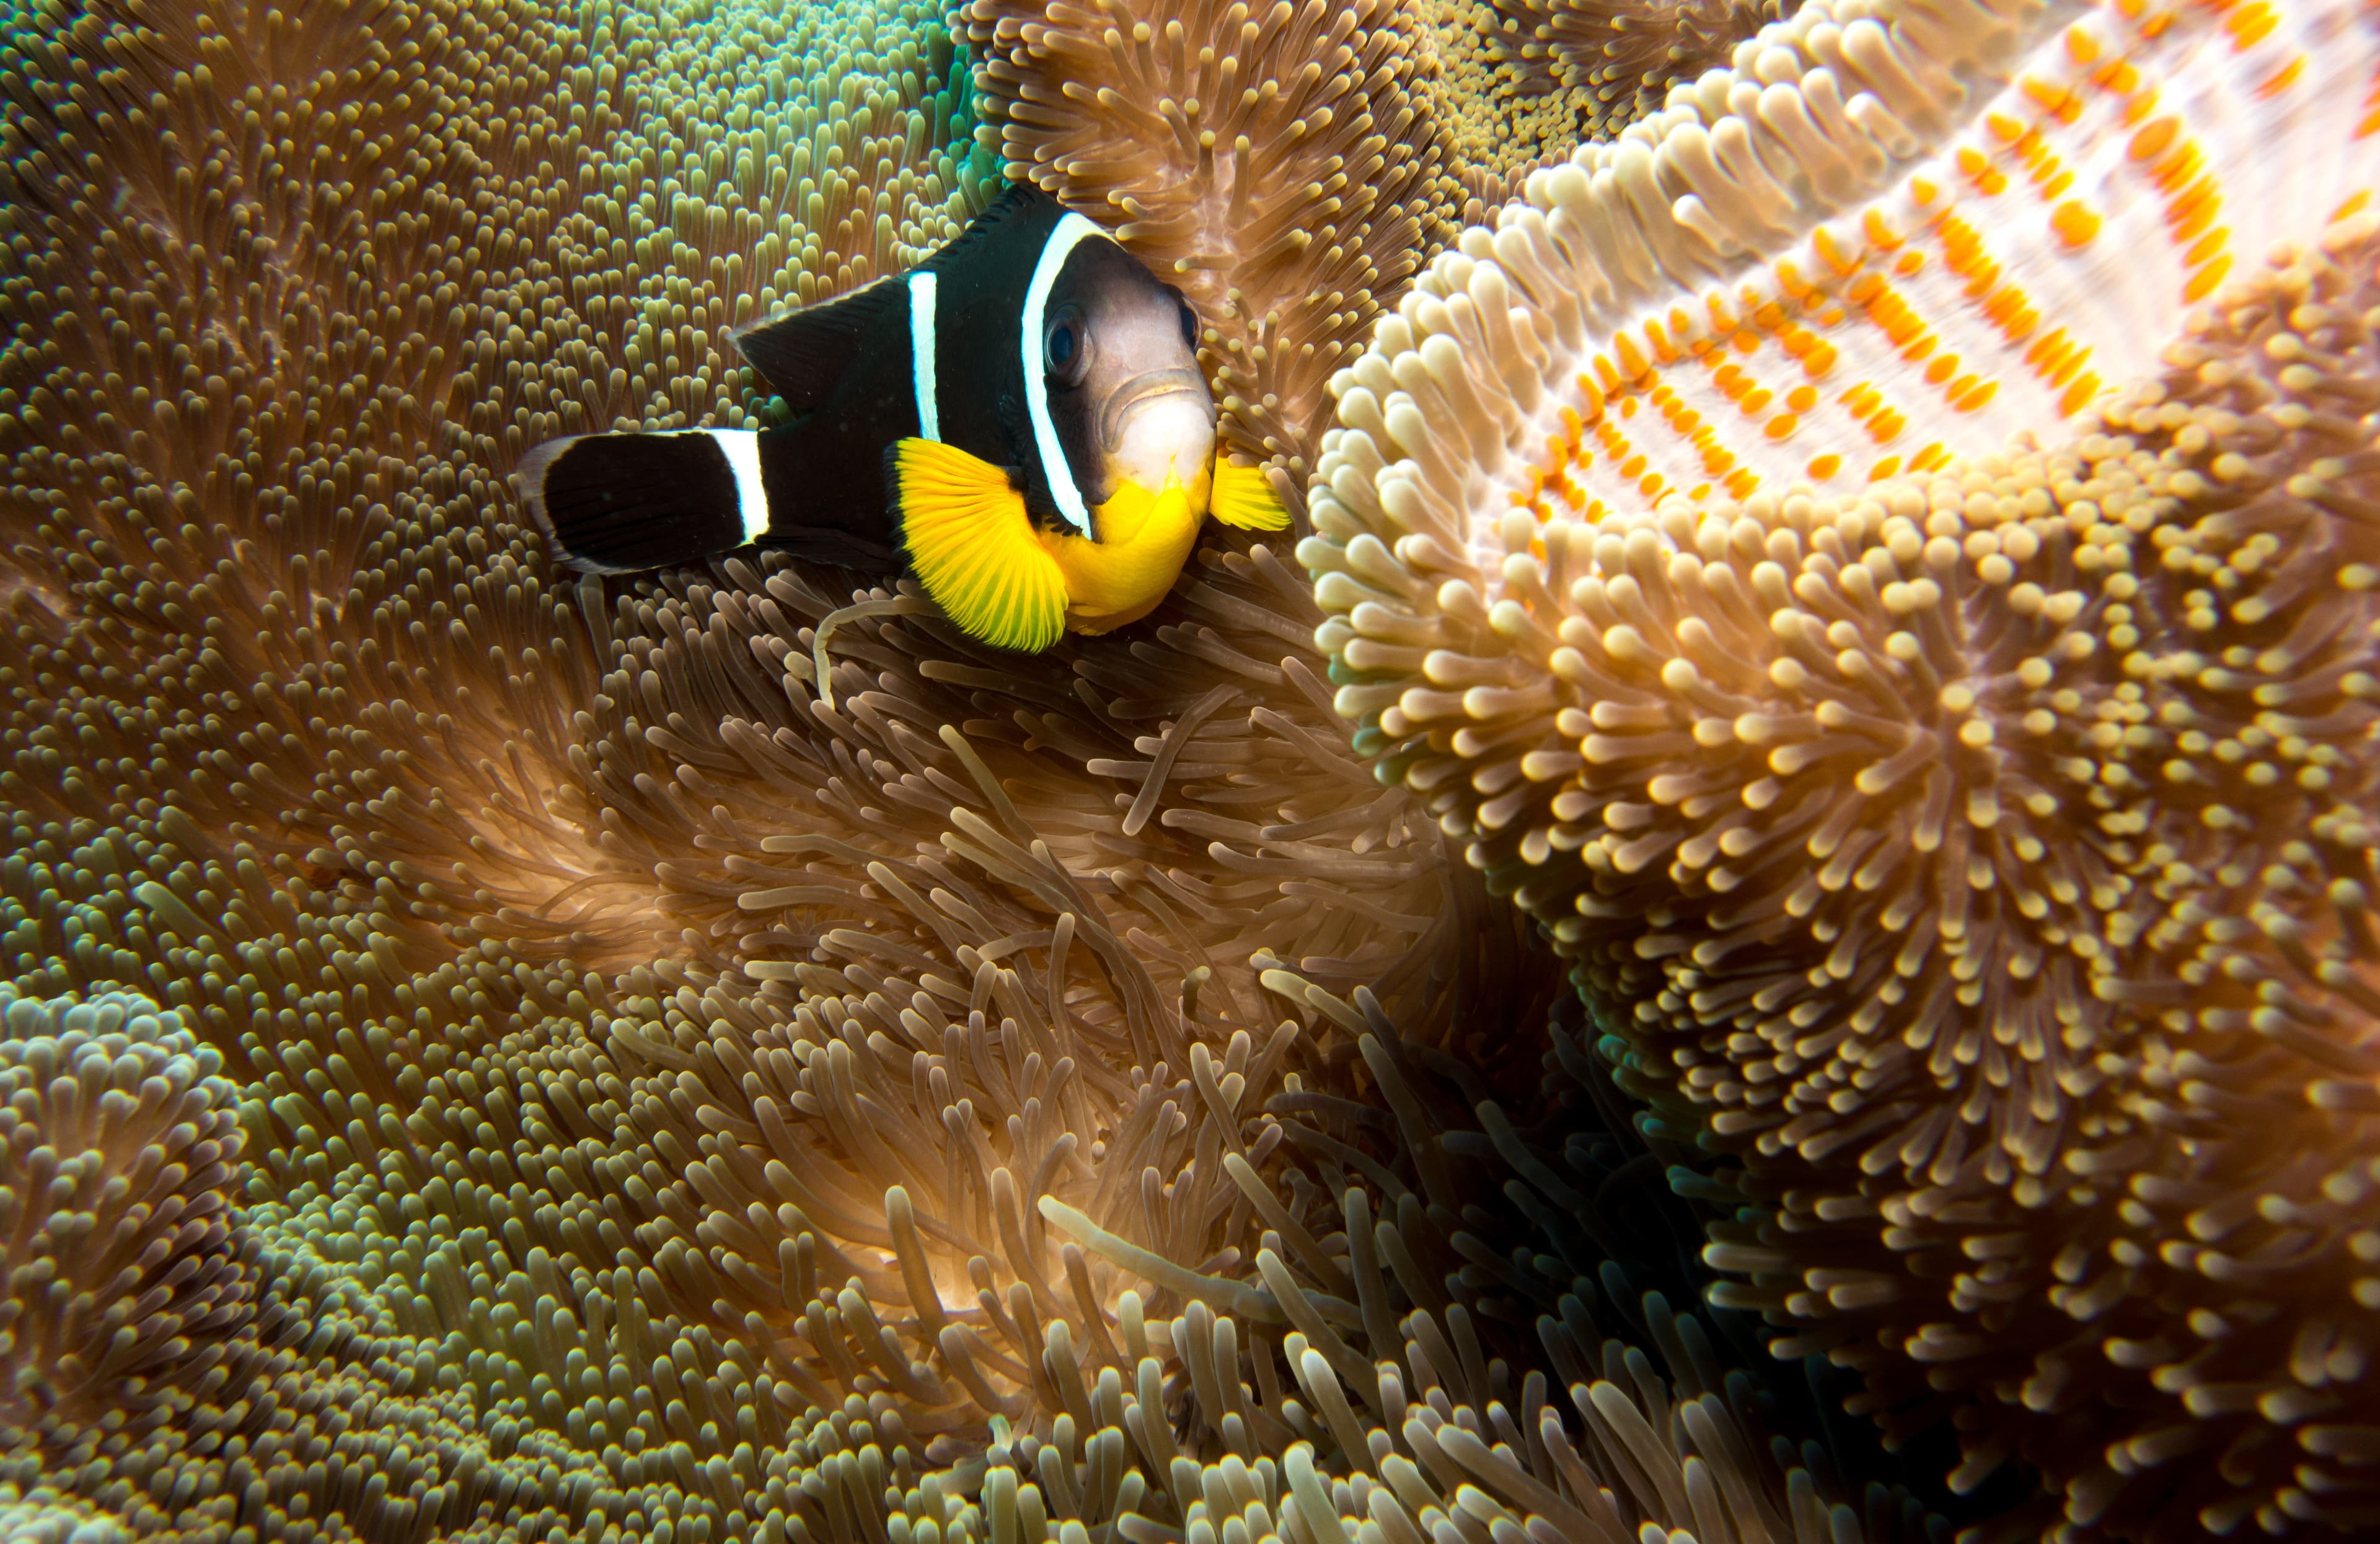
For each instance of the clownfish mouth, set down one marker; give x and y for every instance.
(1147, 386)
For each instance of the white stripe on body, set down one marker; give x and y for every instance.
(742, 448)
(1074, 229)
(921, 352)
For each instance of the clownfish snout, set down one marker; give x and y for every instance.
(1157, 427)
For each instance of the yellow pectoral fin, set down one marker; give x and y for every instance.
(974, 547)
(1244, 497)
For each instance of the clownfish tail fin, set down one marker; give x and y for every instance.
(620, 503)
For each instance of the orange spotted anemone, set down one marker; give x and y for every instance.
(1879, 560)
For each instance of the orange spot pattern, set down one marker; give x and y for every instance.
(1855, 272)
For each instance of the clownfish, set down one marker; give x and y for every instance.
(1019, 422)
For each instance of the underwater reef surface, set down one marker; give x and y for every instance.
(495, 1054)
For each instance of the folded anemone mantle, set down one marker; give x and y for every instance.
(1879, 560)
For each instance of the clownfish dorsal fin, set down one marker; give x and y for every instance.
(802, 354)
(973, 546)
(1013, 200)
(1244, 497)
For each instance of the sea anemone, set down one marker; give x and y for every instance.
(120, 1147)
(1967, 846)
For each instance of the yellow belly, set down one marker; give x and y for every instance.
(1144, 538)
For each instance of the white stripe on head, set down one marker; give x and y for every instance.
(742, 448)
(921, 352)
(1070, 231)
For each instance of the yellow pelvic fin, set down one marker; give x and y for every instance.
(974, 547)
(1244, 497)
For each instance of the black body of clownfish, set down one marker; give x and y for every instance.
(1019, 422)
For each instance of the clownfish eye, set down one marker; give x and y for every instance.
(1189, 324)
(1063, 347)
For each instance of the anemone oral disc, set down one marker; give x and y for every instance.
(1887, 234)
